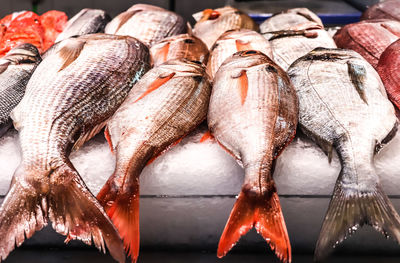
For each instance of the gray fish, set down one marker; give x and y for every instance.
(16, 69)
(87, 21)
(149, 24)
(68, 99)
(343, 105)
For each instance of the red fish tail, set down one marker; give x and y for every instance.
(262, 211)
(65, 200)
(122, 206)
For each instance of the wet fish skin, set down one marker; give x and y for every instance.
(253, 114)
(388, 9)
(16, 69)
(388, 69)
(67, 101)
(368, 37)
(87, 21)
(179, 46)
(170, 101)
(210, 24)
(336, 113)
(289, 19)
(233, 41)
(149, 24)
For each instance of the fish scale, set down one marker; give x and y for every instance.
(343, 105)
(76, 88)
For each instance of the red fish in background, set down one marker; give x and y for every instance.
(21, 28)
(28, 27)
(53, 23)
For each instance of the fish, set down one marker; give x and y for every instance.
(68, 99)
(179, 46)
(343, 106)
(87, 21)
(253, 115)
(389, 71)
(170, 101)
(368, 37)
(290, 18)
(149, 24)
(388, 9)
(233, 41)
(295, 39)
(16, 69)
(211, 23)
(53, 23)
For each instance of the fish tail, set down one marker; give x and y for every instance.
(65, 200)
(122, 206)
(349, 210)
(262, 211)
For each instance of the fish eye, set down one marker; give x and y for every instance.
(196, 61)
(188, 41)
(250, 52)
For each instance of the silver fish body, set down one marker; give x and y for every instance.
(166, 104)
(233, 41)
(146, 23)
(87, 21)
(67, 101)
(253, 114)
(16, 69)
(343, 105)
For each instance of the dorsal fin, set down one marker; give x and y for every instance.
(125, 17)
(357, 75)
(71, 51)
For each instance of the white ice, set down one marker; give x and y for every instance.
(194, 168)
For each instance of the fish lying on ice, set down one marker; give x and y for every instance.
(233, 41)
(67, 101)
(211, 23)
(149, 24)
(180, 46)
(166, 104)
(253, 114)
(16, 69)
(369, 38)
(87, 21)
(343, 105)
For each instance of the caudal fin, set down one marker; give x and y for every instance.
(262, 212)
(71, 208)
(123, 209)
(349, 211)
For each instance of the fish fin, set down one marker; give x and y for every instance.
(348, 212)
(23, 212)
(158, 82)
(163, 52)
(262, 212)
(123, 209)
(4, 65)
(207, 135)
(108, 139)
(165, 150)
(357, 75)
(243, 85)
(75, 212)
(71, 51)
(87, 135)
(125, 16)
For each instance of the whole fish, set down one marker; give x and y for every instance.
(16, 69)
(87, 21)
(68, 99)
(297, 40)
(369, 38)
(290, 18)
(253, 114)
(233, 41)
(166, 104)
(388, 9)
(180, 46)
(343, 105)
(147, 23)
(210, 24)
(389, 71)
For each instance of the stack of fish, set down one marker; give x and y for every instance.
(90, 80)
